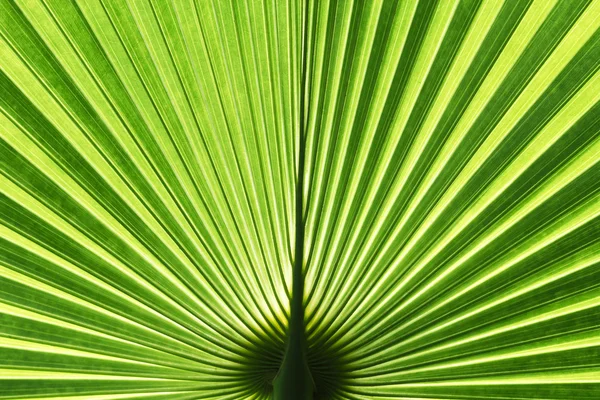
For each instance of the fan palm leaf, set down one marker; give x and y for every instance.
(221, 199)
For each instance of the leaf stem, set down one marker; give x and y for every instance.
(294, 380)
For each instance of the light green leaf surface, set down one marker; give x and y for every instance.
(431, 169)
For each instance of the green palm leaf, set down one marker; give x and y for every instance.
(299, 199)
